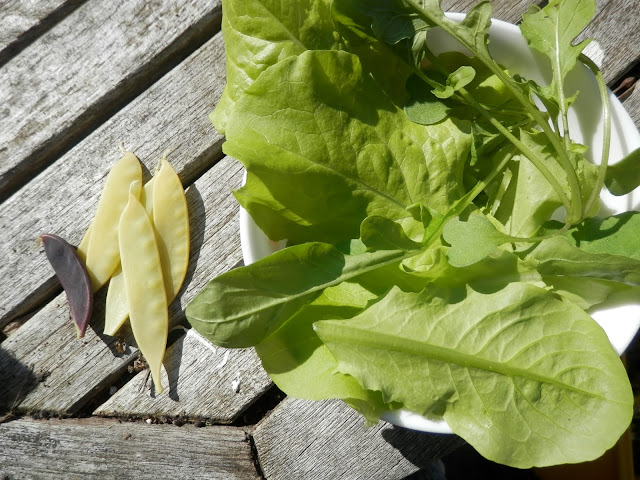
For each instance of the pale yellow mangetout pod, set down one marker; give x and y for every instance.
(100, 251)
(171, 222)
(164, 199)
(144, 285)
(116, 307)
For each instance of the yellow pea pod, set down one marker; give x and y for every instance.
(171, 222)
(100, 250)
(116, 307)
(144, 285)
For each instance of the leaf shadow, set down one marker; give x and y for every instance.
(592, 229)
(17, 380)
(422, 449)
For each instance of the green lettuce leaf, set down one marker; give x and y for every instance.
(499, 368)
(529, 200)
(595, 263)
(624, 177)
(301, 365)
(324, 147)
(260, 33)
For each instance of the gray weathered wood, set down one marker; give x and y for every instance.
(67, 81)
(632, 105)
(62, 200)
(507, 10)
(201, 384)
(21, 20)
(76, 369)
(617, 37)
(107, 449)
(328, 440)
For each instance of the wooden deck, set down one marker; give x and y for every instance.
(77, 77)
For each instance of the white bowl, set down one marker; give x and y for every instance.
(509, 48)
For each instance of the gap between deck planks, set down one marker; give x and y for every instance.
(325, 440)
(616, 45)
(75, 370)
(63, 198)
(21, 22)
(106, 449)
(79, 73)
(205, 383)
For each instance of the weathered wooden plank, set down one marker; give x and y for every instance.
(82, 70)
(205, 382)
(107, 449)
(63, 198)
(617, 37)
(632, 105)
(328, 440)
(507, 10)
(76, 369)
(21, 21)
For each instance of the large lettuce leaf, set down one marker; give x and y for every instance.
(260, 33)
(526, 378)
(324, 147)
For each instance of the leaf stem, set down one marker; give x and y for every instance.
(574, 208)
(606, 135)
(468, 198)
(522, 147)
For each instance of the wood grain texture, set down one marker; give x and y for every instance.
(87, 448)
(200, 378)
(617, 38)
(82, 70)
(301, 439)
(63, 199)
(507, 10)
(632, 105)
(24, 20)
(67, 372)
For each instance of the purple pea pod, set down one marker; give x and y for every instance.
(74, 278)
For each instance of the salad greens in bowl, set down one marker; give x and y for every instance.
(436, 208)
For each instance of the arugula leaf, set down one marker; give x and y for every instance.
(462, 77)
(614, 235)
(498, 367)
(551, 30)
(556, 256)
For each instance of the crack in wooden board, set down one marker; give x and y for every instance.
(78, 369)
(101, 448)
(22, 22)
(200, 380)
(86, 68)
(311, 440)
